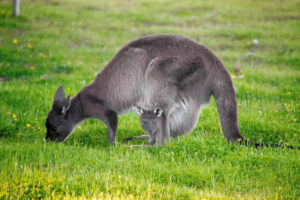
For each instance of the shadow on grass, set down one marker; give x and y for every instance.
(97, 137)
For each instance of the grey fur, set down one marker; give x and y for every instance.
(170, 72)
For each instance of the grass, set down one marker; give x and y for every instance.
(69, 42)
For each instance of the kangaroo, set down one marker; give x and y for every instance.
(171, 75)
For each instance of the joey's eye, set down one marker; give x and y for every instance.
(53, 128)
(138, 110)
(158, 112)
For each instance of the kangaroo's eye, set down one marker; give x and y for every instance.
(50, 126)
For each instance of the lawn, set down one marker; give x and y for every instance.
(68, 43)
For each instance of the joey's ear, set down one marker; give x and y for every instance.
(158, 112)
(138, 110)
(59, 99)
(66, 105)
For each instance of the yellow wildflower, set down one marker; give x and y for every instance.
(14, 116)
(295, 120)
(29, 45)
(38, 128)
(28, 125)
(42, 55)
(15, 41)
(31, 67)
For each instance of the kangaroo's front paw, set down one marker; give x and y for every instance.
(151, 141)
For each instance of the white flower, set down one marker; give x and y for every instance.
(255, 42)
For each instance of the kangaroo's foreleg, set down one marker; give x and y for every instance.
(111, 122)
(97, 108)
(110, 118)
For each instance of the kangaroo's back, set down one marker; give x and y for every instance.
(122, 80)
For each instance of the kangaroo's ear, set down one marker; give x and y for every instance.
(59, 99)
(138, 110)
(60, 94)
(66, 105)
(158, 112)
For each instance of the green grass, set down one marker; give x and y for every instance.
(71, 41)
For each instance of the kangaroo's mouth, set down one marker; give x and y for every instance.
(55, 138)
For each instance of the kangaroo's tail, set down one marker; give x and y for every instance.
(224, 94)
(257, 145)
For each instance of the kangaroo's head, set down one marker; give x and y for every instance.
(149, 119)
(59, 123)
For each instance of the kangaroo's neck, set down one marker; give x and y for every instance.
(76, 112)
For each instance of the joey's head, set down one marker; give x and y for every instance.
(59, 123)
(149, 119)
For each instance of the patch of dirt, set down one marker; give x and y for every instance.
(94, 8)
(284, 18)
(4, 79)
(188, 10)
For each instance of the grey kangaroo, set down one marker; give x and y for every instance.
(168, 75)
